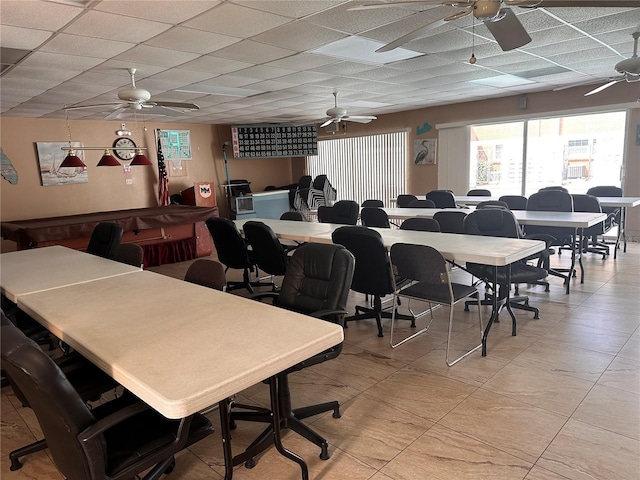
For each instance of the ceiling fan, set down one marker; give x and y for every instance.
(338, 114)
(134, 98)
(629, 69)
(500, 20)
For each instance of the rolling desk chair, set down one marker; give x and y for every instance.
(105, 239)
(269, 254)
(442, 198)
(420, 224)
(421, 204)
(373, 203)
(207, 273)
(479, 192)
(451, 221)
(404, 200)
(514, 202)
(343, 212)
(374, 217)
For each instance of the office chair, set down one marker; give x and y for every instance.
(117, 440)
(373, 275)
(294, 216)
(130, 253)
(496, 222)
(239, 187)
(430, 279)
(207, 273)
(404, 200)
(479, 192)
(589, 203)
(105, 239)
(176, 199)
(343, 212)
(373, 203)
(450, 221)
(554, 187)
(442, 198)
(233, 252)
(614, 214)
(492, 203)
(269, 254)
(317, 284)
(421, 204)
(420, 224)
(552, 200)
(374, 217)
(514, 202)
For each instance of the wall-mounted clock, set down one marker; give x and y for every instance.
(127, 143)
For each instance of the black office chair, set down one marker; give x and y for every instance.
(268, 253)
(479, 192)
(105, 239)
(421, 204)
(373, 203)
(431, 282)
(293, 216)
(442, 198)
(343, 212)
(451, 221)
(614, 214)
(552, 200)
(239, 187)
(514, 202)
(374, 217)
(492, 203)
(420, 224)
(404, 200)
(118, 440)
(496, 222)
(130, 253)
(373, 275)
(554, 187)
(317, 284)
(176, 199)
(589, 203)
(233, 252)
(208, 273)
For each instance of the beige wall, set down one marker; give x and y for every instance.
(106, 189)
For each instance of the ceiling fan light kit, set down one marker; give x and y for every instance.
(338, 114)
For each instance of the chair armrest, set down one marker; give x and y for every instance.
(262, 295)
(111, 420)
(338, 316)
(547, 239)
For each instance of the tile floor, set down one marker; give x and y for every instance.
(561, 400)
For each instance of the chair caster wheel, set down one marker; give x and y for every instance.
(466, 308)
(336, 413)
(171, 466)
(380, 334)
(536, 317)
(250, 463)
(17, 465)
(324, 455)
(232, 425)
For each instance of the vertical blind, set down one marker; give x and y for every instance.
(361, 168)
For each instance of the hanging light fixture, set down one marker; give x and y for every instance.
(108, 160)
(140, 159)
(71, 160)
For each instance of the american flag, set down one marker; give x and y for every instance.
(163, 180)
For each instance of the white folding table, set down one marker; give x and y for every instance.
(624, 203)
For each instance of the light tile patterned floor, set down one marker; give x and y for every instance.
(561, 400)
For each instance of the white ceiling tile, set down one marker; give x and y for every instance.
(299, 36)
(215, 65)
(85, 46)
(236, 21)
(22, 38)
(191, 40)
(177, 13)
(302, 61)
(60, 61)
(253, 52)
(115, 27)
(156, 56)
(290, 8)
(37, 15)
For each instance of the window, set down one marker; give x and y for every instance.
(577, 152)
(360, 168)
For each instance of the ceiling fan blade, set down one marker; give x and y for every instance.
(94, 105)
(360, 118)
(374, 6)
(329, 121)
(523, 3)
(411, 36)
(508, 31)
(116, 112)
(177, 105)
(460, 14)
(606, 85)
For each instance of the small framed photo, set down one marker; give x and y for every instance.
(424, 152)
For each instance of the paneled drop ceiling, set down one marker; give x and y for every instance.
(255, 61)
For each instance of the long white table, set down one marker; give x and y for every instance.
(624, 203)
(38, 269)
(493, 251)
(178, 346)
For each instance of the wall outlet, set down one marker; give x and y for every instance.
(128, 181)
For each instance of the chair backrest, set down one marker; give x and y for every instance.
(492, 222)
(550, 201)
(442, 198)
(294, 216)
(60, 411)
(492, 203)
(608, 191)
(207, 273)
(420, 224)
(554, 187)
(305, 181)
(373, 269)
(450, 221)
(240, 187)
(372, 203)
(344, 212)
(421, 204)
(230, 246)
(105, 239)
(419, 263)
(176, 199)
(514, 202)
(319, 181)
(588, 203)
(268, 252)
(479, 192)
(405, 199)
(130, 253)
(318, 278)
(374, 217)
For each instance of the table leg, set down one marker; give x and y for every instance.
(226, 439)
(580, 237)
(494, 311)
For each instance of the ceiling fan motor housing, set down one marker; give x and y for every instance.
(484, 9)
(134, 95)
(337, 112)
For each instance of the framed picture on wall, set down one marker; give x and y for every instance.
(50, 156)
(424, 152)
